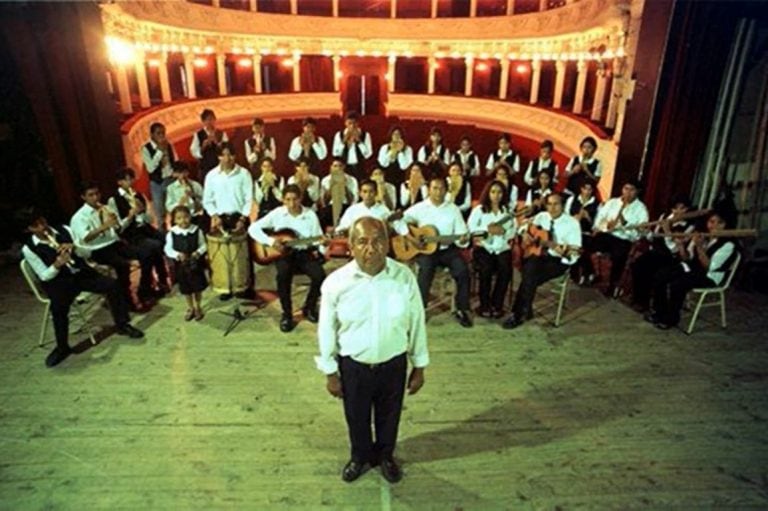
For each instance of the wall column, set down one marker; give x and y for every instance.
(221, 74)
(393, 9)
(296, 73)
(141, 78)
(335, 8)
(472, 8)
(257, 73)
(391, 66)
(433, 10)
(535, 80)
(510, 7)
(294, 7)
(617, 85)
(597, 106)
(123, 90)
(252, 4)
(469, 62)
(542, 5)
(336, 72)
(504, 78)
(432, 63)
(581, 86)
(559, 84)
(217, 3)
(165, 84)
(189, 71)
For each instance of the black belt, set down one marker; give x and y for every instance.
(377, 365)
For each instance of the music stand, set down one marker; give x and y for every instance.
(238, 316)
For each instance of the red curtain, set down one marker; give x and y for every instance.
(316, 73)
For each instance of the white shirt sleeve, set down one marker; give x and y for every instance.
(194, 147)
(327, 331)
(417, 331)
(247, 193)
(202, 246)
(295, 150)
(365, 147)
(250, 155)
(209, 200)
(43, 272)
(529, 174)
(256, 229)
(170, 252)
(151, 163)
(321, 150)
(338, 144)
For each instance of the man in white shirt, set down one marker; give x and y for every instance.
(366, 207)
(447, 219)
(565, 235)
(63, 275)
(309, 145)
(158, 158)
(206, 142)
(615, 231)
(302, 258)
(371, 322)
(339, 175)
(353, 146)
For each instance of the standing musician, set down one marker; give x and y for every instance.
(447, 219)
(565, 234)
(259, 146)
(492, 256)
(503, 154)
(502, 174)
(544, 163)
(228, 199)
(459, 190)
(704, 264)
(433, 155)
(337, 177)
(301, 259)
(63, 275)
(206, 143)
(135, 228)
(353, 146)
(368, 206)
(267, 188)
(535, 199)
(158, 158)
(386, 193)
(583, 167)
(184, 191)
(467, 158)
(309, 146)
(395, 156)
(664, 252)
(583, 207)
(612, 237)
(308, 182)
(414, 189)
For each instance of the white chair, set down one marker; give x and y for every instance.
(717, 292)
(34, 285)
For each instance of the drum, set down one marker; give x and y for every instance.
(230, 261)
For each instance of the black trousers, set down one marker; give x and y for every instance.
(63, 290)
(489, 265)
(670, 286)
(308, 262)
(644, 269)
(450, 258)
(617, 248)
(325, 215)
(583, 266)
(378, 389)
(146, 244)
(536, 271)
(118, 256)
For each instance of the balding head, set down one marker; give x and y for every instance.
(369, 242)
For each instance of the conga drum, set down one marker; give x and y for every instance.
(229, 260)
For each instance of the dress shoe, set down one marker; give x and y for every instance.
(391, 470)
(652, 317)
(248, 294)
(189, 315)
(512, 322)
(199, 314)
(130, 331)
(286, 323)
(463, 318)
(663, 326)
(225, 297)
(57, 356)
(353, 470)
(483, 312)
(310, 313)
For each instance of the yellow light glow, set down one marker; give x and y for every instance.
(287, 62)
(200, 62)
(120, 52)
(153, 63)
(245, 63)
(482, 66)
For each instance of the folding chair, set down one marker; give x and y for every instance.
(34, 286)
(561, 288)
(717, 292)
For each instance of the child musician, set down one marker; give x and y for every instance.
(185, 245)
(583, 167)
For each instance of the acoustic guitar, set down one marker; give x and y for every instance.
(265, 254)
(429, 239)
(540, 241)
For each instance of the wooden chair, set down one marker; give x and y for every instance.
(717, 292)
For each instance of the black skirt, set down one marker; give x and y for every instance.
(190, 275)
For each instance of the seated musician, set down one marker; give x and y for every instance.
(136, 229)
(368, 206)
(386, 193)
(705, 264)
(565, 234)
(395, 156)
(467, 157)
(347, 189)
(307, 181)
(447, 219)
(434, 156)
(535, 200)
(664, 251)
(459, 190)
(305, 259)
(615, 233)
(228, 198)
(583, 207)
(267, 188)
(543, 163)
(63, 275)
(352, 146)
(502, 174)
(185, 191)
(414, 189)
(95, 230)
(492, 256)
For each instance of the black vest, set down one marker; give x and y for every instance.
(185, 243)
(575, 181)
(345, 151)
(269, 201)
(549, 169)
(717, 245)
(469, 165)
(123, 207)
(48, 255)
(576, 207)
(156, 174)
(536, 194)
(256, 166)
(435, 168)
(210, 159)
(459, 199)
(508, 159)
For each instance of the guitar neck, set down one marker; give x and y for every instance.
(303, 241)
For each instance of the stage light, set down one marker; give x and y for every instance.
(344, 53)
(287, 62)
(521, 69)
(377, 53)
(120, 52)
(360, 53)
(185, 49)
(482, 66)
(209, 49)
(439, 54)
(408, 54)
(327, 53)
(245, 63)
(339, 75)
(200, 62)
(281, 51)
(455, 55)
(237, 51)
(153, 63)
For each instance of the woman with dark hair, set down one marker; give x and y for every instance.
(583, 167)
(414, 189)
(537, 195)
(395, 156)
(503, 173)
(459, 190)
(492, 255)
(434, 155)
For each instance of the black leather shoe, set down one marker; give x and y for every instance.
(463, 318)
(663, 326)
(310, 313)
(248, 294)
(651, 317)
(286, 323)
(130, 331)
(57, 356)
(225, 297)
(353, 470)
(391, 470)
(511, 322)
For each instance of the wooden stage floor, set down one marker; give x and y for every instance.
(605, 412)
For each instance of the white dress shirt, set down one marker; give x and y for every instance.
(202, 248)
(404, 157)
(391, 193)
(496, 156)
(669, 241)
(258, 192)
(597, 173)
(405, 194)
(567, 231)
(151, 162)
(140, 219)
(463, 159)
(364, 147)
(351, 185)
(296, 151)
(313, 188)
(714, 271)
(196, 150)
(43, 272)
(228, 192)
(371, 319)
(86, 220)
(252, 156)
(175, 195)
(446, 218)
(305, 225)
(479, 221)
(529, 196)
(360, 210)
(634, 213)
(422, 155)
(530, 179)
(465, 203)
